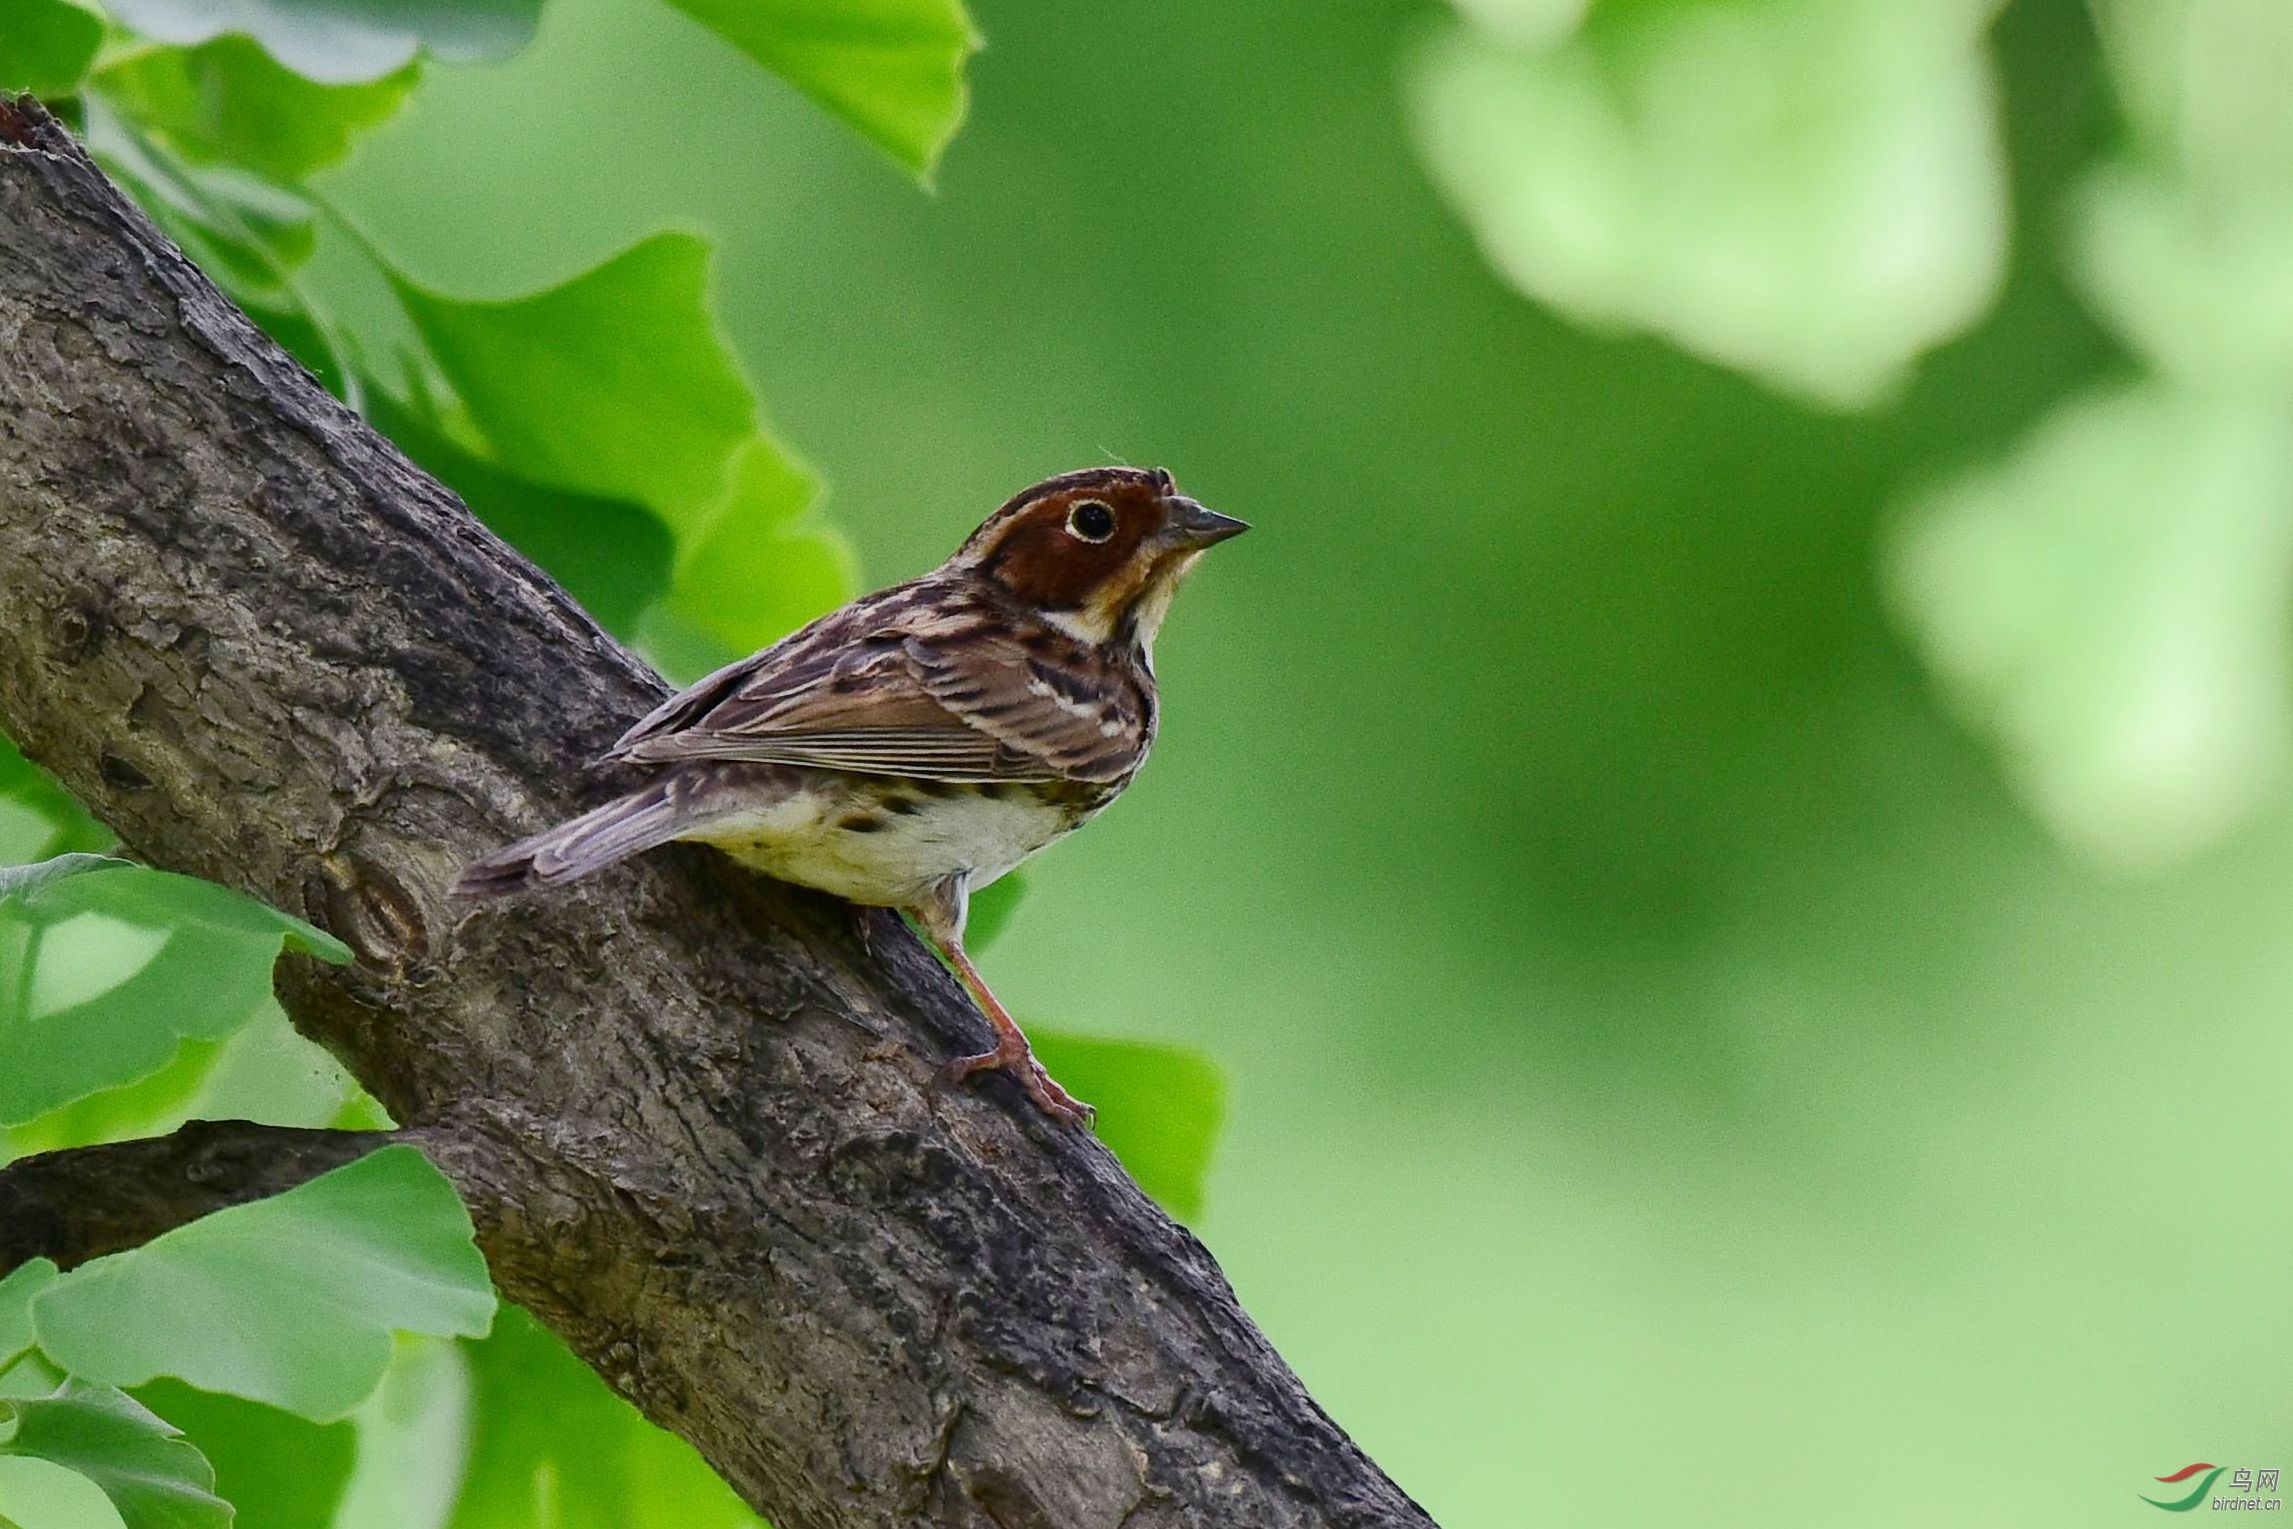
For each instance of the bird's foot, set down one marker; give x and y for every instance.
(1039, 1086)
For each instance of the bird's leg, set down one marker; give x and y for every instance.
(941, 925)
(1011, 1050)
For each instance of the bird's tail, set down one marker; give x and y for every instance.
(627, 826)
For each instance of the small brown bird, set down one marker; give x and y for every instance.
(910, 748)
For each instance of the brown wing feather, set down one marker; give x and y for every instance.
(753, 690)
(913, 681)
(1084, 717)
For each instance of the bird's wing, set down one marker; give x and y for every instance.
(1085, 716)
(915, 681)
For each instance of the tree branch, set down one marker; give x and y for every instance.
(694, 1110)
(82, 1203)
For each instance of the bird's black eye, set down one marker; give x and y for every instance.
(1091, 520)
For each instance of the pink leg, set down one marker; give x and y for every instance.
(1011, 1049)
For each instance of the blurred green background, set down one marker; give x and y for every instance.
(1690, 1058)
(1728, 827)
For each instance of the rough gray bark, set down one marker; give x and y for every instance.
(83, 1203)
(693, 1113)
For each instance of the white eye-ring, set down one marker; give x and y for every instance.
(1090, 521)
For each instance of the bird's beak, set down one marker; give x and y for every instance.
(1195, 525)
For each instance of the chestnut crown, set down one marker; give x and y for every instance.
(1098, 550)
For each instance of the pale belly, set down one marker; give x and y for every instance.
(855, 846)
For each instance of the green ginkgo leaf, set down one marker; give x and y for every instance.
(153, 1476)
(16, 1292)
(2109, 604)
(229, 102)
(1807, 190)
(763, 564)
(47, 45)
(38, 818)
(248, 234)
(615, 383)
(613, 389)
(412, 1439)
(341, 41)
(264, 1071)
(36, 1494)
(106, 967)
(292, 1300)
(892, 69)
(271, 1466)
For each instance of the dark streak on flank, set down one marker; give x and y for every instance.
(861, 823)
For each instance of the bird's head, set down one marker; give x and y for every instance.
(1098, 553)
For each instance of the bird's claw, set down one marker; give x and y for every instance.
(1038, 1085)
